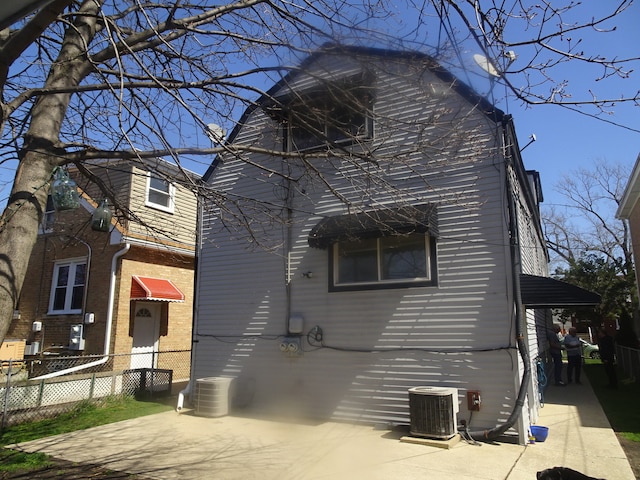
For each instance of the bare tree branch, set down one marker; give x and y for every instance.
(89, 80)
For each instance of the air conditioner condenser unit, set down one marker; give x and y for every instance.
(211, 396)
(433, 412)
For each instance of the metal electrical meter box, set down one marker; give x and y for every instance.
(76, 337)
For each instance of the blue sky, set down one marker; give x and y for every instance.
(566, 140)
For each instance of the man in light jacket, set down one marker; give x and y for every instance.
(574, 355)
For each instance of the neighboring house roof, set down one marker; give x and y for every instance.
(631, 193)
(464, 90)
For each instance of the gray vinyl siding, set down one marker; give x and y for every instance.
(377, 343)
(534, 262)
(116, 177)
(128, 183)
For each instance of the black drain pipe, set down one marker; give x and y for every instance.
(492, 434)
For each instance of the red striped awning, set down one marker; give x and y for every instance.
(159, 289)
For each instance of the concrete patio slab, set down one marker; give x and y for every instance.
(171, 445)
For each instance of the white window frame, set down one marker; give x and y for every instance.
(380, 282)
(170, 194)
(48, 217)
(73, 263)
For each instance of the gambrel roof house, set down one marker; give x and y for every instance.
(125, 291)
(395, 243)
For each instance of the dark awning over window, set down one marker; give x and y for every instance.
(160, 289)
(544, 292)
(375, 223)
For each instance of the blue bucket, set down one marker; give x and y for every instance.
(540, 433)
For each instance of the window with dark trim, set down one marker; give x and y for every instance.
(398, 261)
(391, 247)
(332, 114)
(323, 119)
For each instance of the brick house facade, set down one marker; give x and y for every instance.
(104, 267)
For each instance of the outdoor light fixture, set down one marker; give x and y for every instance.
(64, 191)
(101, 218)
(532, 138)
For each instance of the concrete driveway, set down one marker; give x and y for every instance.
(183, 446)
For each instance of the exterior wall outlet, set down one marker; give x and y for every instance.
(473, 400)
(76, 337)
(291, 346)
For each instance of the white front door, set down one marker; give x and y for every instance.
(146, 333)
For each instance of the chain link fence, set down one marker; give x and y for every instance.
(628, 360)
(35, 389)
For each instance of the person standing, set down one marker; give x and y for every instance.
(555, 350)
(574, 355)
(608, 356)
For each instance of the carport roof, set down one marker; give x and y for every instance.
(546, 292)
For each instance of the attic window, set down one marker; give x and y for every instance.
(339, 113)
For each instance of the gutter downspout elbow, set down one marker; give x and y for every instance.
(184, 392)
(107, 333)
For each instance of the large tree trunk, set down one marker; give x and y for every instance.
(39, 156)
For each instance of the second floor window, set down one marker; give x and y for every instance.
(160, 193)
(67, 289)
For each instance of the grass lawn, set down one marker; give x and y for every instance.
(84, 415)
(621, 407)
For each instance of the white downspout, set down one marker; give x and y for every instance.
(181, 396)
(107, 333)
(186, 392)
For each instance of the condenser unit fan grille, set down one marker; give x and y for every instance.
(433, 412)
